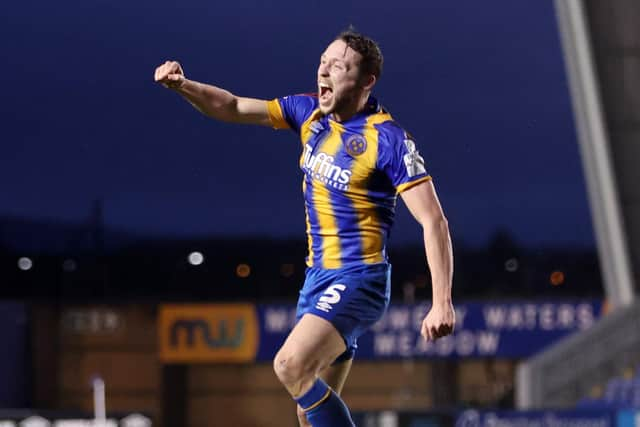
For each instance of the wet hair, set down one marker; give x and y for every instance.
(371, 55)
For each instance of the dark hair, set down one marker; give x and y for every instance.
(371, 55)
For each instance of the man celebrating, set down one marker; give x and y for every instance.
(355, 160)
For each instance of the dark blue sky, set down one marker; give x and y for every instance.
(481, 85)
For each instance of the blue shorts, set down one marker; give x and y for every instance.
(351, 298)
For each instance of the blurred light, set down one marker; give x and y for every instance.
(557, 278)
(511, 265)
(243, 271)
(287, 270)
(596, 392)
(421, 281)
(25, 263)
(409, 292)
(196, 258)
(69, 265)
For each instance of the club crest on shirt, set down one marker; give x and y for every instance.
(355, 145)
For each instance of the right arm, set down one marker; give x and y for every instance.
(213, 101)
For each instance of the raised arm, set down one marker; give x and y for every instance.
(213, 101)
(424, 205)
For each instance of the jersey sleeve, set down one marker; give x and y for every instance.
(291, 112)
(400, 160)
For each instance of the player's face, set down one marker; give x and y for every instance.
(339, 82)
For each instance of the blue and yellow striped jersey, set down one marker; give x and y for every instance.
(353, 171)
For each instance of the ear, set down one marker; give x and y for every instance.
(368, 82)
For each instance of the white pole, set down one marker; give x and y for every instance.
(594, 144)
(99, 409)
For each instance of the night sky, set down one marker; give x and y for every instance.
(480, 85)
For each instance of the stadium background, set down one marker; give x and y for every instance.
(120, 208)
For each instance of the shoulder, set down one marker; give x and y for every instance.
(390, 134)
(295, 109)
(309, 100)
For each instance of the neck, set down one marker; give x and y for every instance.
(352, 109)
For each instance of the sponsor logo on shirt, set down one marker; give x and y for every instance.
(321, 167)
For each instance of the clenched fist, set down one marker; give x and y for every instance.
(439, 322)
(170, 75)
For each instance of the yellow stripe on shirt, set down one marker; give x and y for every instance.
(308, 226)
(331, 248)
(305, 129)
(275, 115)
(370, 234)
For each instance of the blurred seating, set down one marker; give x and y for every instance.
(620, 392)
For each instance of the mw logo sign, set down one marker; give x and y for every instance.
(208, 333)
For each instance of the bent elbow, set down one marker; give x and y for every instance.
(436, 224)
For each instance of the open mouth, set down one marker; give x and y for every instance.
(326, 92)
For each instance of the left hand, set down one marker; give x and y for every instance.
(170, 75)
(439, 322)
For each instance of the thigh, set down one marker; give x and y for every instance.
(314, 343)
